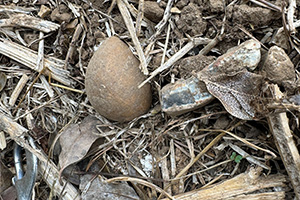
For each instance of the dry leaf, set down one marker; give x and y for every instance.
(95, 188)
(236, 92)
(76, 141)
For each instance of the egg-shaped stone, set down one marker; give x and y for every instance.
(112, 80)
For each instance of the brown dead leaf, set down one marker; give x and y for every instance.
(236, 92)
(76, 141)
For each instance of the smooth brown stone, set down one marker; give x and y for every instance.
(112, 80)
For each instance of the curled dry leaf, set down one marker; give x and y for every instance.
(236, 92)
(76, 141)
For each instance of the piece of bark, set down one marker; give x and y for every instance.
(279, 126)
(27, 21)
(241, 186)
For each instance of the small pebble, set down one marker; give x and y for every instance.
(152, 11)
(278, 66)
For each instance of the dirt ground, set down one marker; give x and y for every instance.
(155, 147)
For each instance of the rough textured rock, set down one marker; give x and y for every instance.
(112, 80)
(256, 16)
(152, 11)
(61, 14)
(245, 56)
(216, 5)
(180, 4)
(278, 66)
(193, 64)
(191, 21)
(281, 40)
(184, 96)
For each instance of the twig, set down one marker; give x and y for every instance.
(290, 16)
(16, 9)
(40, 66)
(242, 140)
(38, 107)
(15, 94)
(139, 18)
(248, 156)
(211, 45)
(284, 106)
(160, 26)
(190, 45)
(165, 173)
(9, 33)
(77, 32)
(166, 45)
(248, 185)
(266, 4)
(29, 88)
(209, 146)
(172, 158)
(47, 86)
(142, 182)
(2, 140)
(279, 126)
(145, 21)
(251, 36)
(203, 170)
(129, 24)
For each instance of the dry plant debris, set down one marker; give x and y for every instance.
(241, 142)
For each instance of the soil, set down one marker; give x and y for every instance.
(154, 134)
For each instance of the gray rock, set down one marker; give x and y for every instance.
(190, 94)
